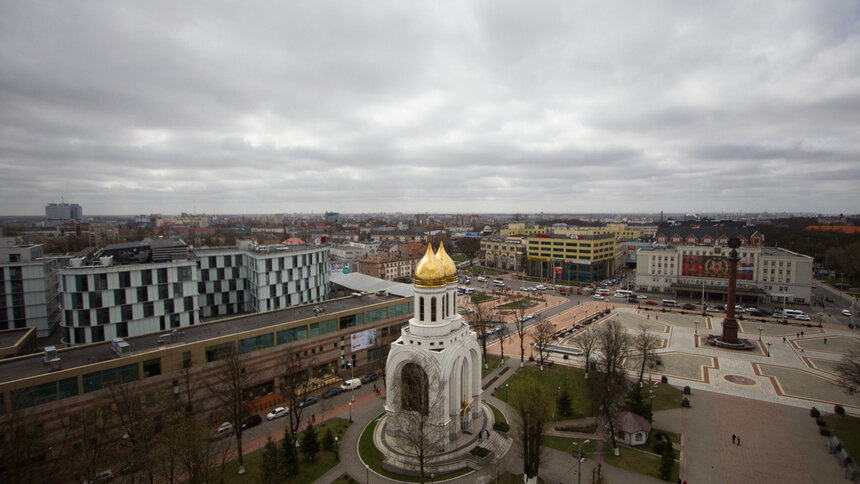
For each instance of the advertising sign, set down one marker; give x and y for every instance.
(363, 340)
(711, 266)
(558, 270)
(473, 235)
(338, 267)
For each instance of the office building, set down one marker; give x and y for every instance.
(28, 287)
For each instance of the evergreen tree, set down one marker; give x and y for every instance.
(636, 402)
(310, 443)
(328, 441)
(289, 457)
(270, 464)
(667, 463)
(564, 403)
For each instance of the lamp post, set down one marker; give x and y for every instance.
(579, 458)
(336, 448)
(506, 392)
(350, 412)
(696, 322)
(352, 377)
(367, 473)
(531, 350)
(768, 349)
(759, 332)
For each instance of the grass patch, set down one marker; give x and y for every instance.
(636, 461)
(565, 444)
(652, 436)
(522, 303)
(373, 458)
(481, 298)
(558, 377)
(308, 471)
(344, 479)
(583, 429)
(667, 397)
(498, 416)
(490, 364)
(489, 383)
(847, 429)
(480, 452)
(504, 370)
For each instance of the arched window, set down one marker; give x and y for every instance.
(433, 309)
(421, 315)
(415, 389)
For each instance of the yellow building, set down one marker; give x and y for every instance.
(584, 256)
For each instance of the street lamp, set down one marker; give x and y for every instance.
(531, 350)
(759, 332)
(352, 377)
(336, 448)
(768, 349)
(350, 412)
(506, 392)
(697, 327)
(367, 473)
(579, 459)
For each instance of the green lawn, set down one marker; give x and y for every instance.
(481, 298)
(652, 439)
(344, 479)
(522, 303)
(564, 444)
(847, 429)
(636, 461)
(491, 363)
(373, 458)
(667, 397)
(554, 378)
(497, 415)
(308, 472)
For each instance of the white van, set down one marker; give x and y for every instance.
(795, 314)
(499, 282)
(482, 279)
(670, 303)
(353, 384)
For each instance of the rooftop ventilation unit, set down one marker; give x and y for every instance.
(77, 261)
(120, 347)
(106, 261)
(51, 358)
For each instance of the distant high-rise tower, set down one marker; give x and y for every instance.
(60, 213)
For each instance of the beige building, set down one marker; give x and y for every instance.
(765, 274)
(504, 253)
(387, 266)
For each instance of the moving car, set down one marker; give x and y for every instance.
(225, 429)
(351, 384)
(277, 413)
(651, 302)
(252, 421)
(802, 317)
(308, 401)
(846, 312)
(598, 296)
(688, 307)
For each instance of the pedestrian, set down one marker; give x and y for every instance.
(797, 335)
(314, 418)
(739, 441)
(783, 339)
(734, 437)
(802, 334)
(825, 340)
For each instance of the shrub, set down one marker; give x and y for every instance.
(685, 402)
(686, 389)
(501, 427)
(328, 440)
(659, 446)
(480, 452)
(664, 379)
(839, 409)
(667, 463)
(814, 413)
(662, 436)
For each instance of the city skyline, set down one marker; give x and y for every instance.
(452, 107)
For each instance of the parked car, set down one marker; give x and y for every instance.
(372, 376)
(309, 400)
(598, 296)
(688, 307)
(641, 296)
(332, 392)
(225, 429)
(252, 421)
(846, 312)
(351, 384)
(828, 299)
(277, 413)
(802, 317)
(651, 302)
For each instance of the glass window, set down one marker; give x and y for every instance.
(292, 334)
(323, 327)
(216, 352)
(376, 315)
(255, 343)
(152, 367)
(101, 379)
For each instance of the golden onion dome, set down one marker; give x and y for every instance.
(447, 264)
(429, 271)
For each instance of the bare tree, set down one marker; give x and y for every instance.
(849, 370)
(199, 453)
(587, 342)
(139, 428)
(542, 334)
(646, 345)
(611, 385)
(227, 386)
(533, 406)
(25, 453)
(520, 326)
(414, 425)
(503, 333)
(481, 323)
(294, 385)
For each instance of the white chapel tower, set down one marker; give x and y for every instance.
(434, 368)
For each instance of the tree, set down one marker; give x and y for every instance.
(469, 247)
(297, 371)
(270, 463)
(638, 403)
(646, 345)
(520, 327)
(481, 323)
(849, 370)
(198, 454)
(414, 424)
(24, 448)
(310, 443)
(533, 406)
(328, 441)
(667, 462)
(611, 384)
(542, 334)
(587, 342)
(289, 458)
(564, 402)
(229, 382)
(503, 333)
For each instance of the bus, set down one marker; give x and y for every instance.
(623, 293)
(793, 313)
(603, 292)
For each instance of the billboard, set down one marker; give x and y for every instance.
(338, 267)
(715, 266)
(362, 340)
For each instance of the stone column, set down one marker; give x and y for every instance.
(730, 324)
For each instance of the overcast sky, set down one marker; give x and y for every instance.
(433, 106)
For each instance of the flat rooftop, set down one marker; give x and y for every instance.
(11, 337)
(76, 356)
